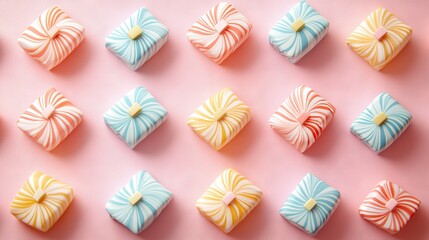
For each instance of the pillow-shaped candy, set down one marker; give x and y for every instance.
(229, 199)
(135, 116)
(51, 37)
(50, 119)
(299, 31)
(41, 201)
(302, 118)
(389, 207)
(139, 202)
(379, 38)
(138, 38)
(219, 32)
(220, 118)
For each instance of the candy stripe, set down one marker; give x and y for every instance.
(136, 52)
(285, 120)
(219, 133)
(374, 209)
(327, 199)
(134, 130)
(294, 45)
(378, 138)
(41, 215)
(51, 51)
(138, 217)
(218, 46)
(50, 132)
(379, 53)
(226, 217)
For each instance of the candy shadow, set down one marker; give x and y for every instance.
(404, 146)
(160, 62)
(168, 219)
(244, 56)
(404, 63)
(320, 56)
(339, 217)
(73, 142)
(158, 141)
(64, 227)
(251, 226)
(243, 141)
(417, 227)
(75, 62)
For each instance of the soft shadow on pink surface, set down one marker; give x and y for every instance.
(76, 62)
(160, 62)
(168, 219)
(158, 141)
(250, 227)
(74, 142)
(417, 226)
(320, 56)
(63, 228)
(243, 141)
(244, 56)
(404, 146)
(404, 62)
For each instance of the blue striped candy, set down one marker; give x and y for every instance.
(294, 45)
(134, 130)
(136, 52)
(327, 199)
(378, 138)
(138, 217)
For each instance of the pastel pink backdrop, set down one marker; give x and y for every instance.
(96, 163)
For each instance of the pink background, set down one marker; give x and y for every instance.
(96, 163)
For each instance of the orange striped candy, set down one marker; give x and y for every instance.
(51, 37)
(50, 119)
(219, 32)
(302, 118)
(389, 207)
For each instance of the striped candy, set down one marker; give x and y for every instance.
(139, 216)
(133, 130)
(376, 52)
(42, 214)
(214, 40)
(50, 131)
(286, 120)
(312, 221)
(378, 138)
(294, 45)
(136, 52)
(220, 118)
(227, 216)
(376, 209)
(50, 50)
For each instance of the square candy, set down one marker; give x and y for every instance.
(311, 204)
(50, 119)
(229, 199)
(51, 37)
(381, 123)
(299, 31)
(220, 118)
(137, 39)
(135, 116)
(389, 207)
(41, 201)
(219, 32)
(139, 202)
(379, 38)
(302, 118)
